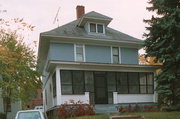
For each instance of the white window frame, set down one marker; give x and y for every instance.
(112, 54)
(89, 29)
(75, 58)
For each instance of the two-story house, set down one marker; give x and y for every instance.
(88, 61)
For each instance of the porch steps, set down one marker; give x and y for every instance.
(106, 108)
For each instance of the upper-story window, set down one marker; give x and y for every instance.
(96, 28)
(79, 52)
(115, 55)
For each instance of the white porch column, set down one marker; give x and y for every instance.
(115, 98)
(87, 97)
(155, 96)
(58, 86)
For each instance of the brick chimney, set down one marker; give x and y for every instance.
(80, 11)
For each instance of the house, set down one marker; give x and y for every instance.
(88, 61)
(36, 101)
(11, 107)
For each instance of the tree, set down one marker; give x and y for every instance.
(163, 42)
(19, 79)
(148, 60)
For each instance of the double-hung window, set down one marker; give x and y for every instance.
(96, 28)
(79, 52)
(115, 55)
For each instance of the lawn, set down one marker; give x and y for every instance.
(147, 115)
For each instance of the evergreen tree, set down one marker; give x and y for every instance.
(163, 42)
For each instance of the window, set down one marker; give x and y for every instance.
(29, 115)
(143, 87)
(78, 82)
(54, 84)
(92, 27)
(79, 52)
(133, 80)
(115, 55)
(66, 82)
(134, 83)
(150, 83)
(89, 84)
(7, 104)
(111, 85)
(72, 82)
(122, 83)
(97, 28)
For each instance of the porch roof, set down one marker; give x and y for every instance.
(52, 64)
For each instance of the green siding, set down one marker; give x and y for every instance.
(101, 54)
(129, 56)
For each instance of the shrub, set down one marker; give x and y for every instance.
(75, 109)
(171, 108)
(2, 116)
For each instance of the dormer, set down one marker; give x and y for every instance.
(94, 23)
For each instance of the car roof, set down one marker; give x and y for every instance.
(30, 111)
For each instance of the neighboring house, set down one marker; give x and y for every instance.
(88, 61)
(36, 101)
(12, 108)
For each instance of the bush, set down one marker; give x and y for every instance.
(2, 116)
(171, 108)
(74, 109)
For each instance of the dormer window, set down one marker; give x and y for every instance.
(96, 28)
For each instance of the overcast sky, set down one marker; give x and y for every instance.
(127, 15)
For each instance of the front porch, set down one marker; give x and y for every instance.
(100, 83)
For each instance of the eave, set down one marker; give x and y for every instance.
(52, 64)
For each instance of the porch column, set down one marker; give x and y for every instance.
(87, 97)
(58, 86)
(115, 98)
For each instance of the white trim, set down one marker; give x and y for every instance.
(84, 55)
(119, 51)
(58, 86)
(74, 52)
(120, 55)
(96, 32)
(104, 64)
(94, 18)
(111, 55)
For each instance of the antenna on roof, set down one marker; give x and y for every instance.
(56, 19)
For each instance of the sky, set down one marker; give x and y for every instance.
(127, 15)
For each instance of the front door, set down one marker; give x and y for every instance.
(100, 88)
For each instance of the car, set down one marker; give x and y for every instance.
(30, 114)
(39, 108)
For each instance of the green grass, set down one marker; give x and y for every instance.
(147, 115)
(158, 115)
(92, 117)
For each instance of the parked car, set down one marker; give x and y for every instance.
(30, 114)
(39, 108)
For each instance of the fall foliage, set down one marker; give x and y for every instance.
(19, 78)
